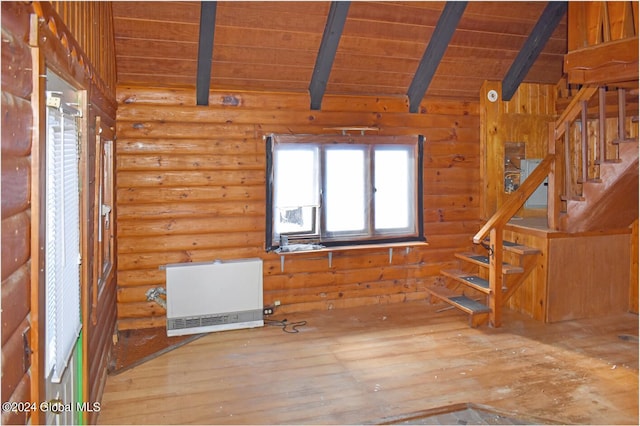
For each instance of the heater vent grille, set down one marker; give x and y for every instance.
(214, 296)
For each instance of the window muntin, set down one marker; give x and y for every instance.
(342, 190)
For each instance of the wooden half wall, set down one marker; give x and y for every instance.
(191, 187)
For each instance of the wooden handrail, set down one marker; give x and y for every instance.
(574, 108)
(517, 199)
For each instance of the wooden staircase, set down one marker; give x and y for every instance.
(592, 185)
(472, 287)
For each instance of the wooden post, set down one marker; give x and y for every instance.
(495, 276)
(602, 120)
(621, 118)
(567, 161)
(584, 134)
(553, 189)
(38, 226)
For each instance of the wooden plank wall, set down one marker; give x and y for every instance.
(91, 23)
(16, 224)
(191, 187)
(524, 119)
(591, 19)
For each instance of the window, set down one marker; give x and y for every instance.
(62, 255)
(104, 175)
(343, 190)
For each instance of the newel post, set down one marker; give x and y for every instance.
(495, 275)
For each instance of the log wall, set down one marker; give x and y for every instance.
(16, 210)
(34, 38)
(191, 187)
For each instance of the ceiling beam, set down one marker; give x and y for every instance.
(205, 51)
(532, 47)
(327, 53)
(432, 56)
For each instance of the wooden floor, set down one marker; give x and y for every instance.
(360, 365)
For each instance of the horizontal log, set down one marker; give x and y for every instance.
(14, 365)
(16, 184)
(191, 242)
(190, 162)
(140, 323)
(133, 294)
(199, 193)
(290, 101)
(17, 119)
(152, 260)
(15, 300)
(180, 96)
(205, 144)
(15, 243)
(147, 130)
(141, 277)
(22, 393)
(185, 178)
(189, 226)
(140, 310)
(16, 66)
(204, 116)
(190, 209)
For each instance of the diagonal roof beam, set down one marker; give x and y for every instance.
(205, 51)
(536, 41)
(440, 39)
(327, 53)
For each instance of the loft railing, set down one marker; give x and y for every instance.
(587, 135)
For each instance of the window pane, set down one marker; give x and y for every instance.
(394, 194)
(296, 191)
(345, 197)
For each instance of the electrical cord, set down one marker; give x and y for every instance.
(293, 326)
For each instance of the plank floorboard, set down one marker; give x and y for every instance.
(353, 366)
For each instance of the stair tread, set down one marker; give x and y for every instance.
(472, 280)
(484, 261)
(459, 301)
(518, 248)
(624, 140)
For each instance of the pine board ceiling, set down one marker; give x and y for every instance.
(272, 46)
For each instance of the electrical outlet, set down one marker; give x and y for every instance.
(267, 311)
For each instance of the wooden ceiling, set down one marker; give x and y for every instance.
(273, 46)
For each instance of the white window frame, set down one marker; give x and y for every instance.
(62, 256)
(316, 204)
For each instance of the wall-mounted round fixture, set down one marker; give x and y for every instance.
(492, 95)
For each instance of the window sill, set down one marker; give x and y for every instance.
(329, 250)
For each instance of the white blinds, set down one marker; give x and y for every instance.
(62, 241)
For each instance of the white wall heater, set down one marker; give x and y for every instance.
(214, 296)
